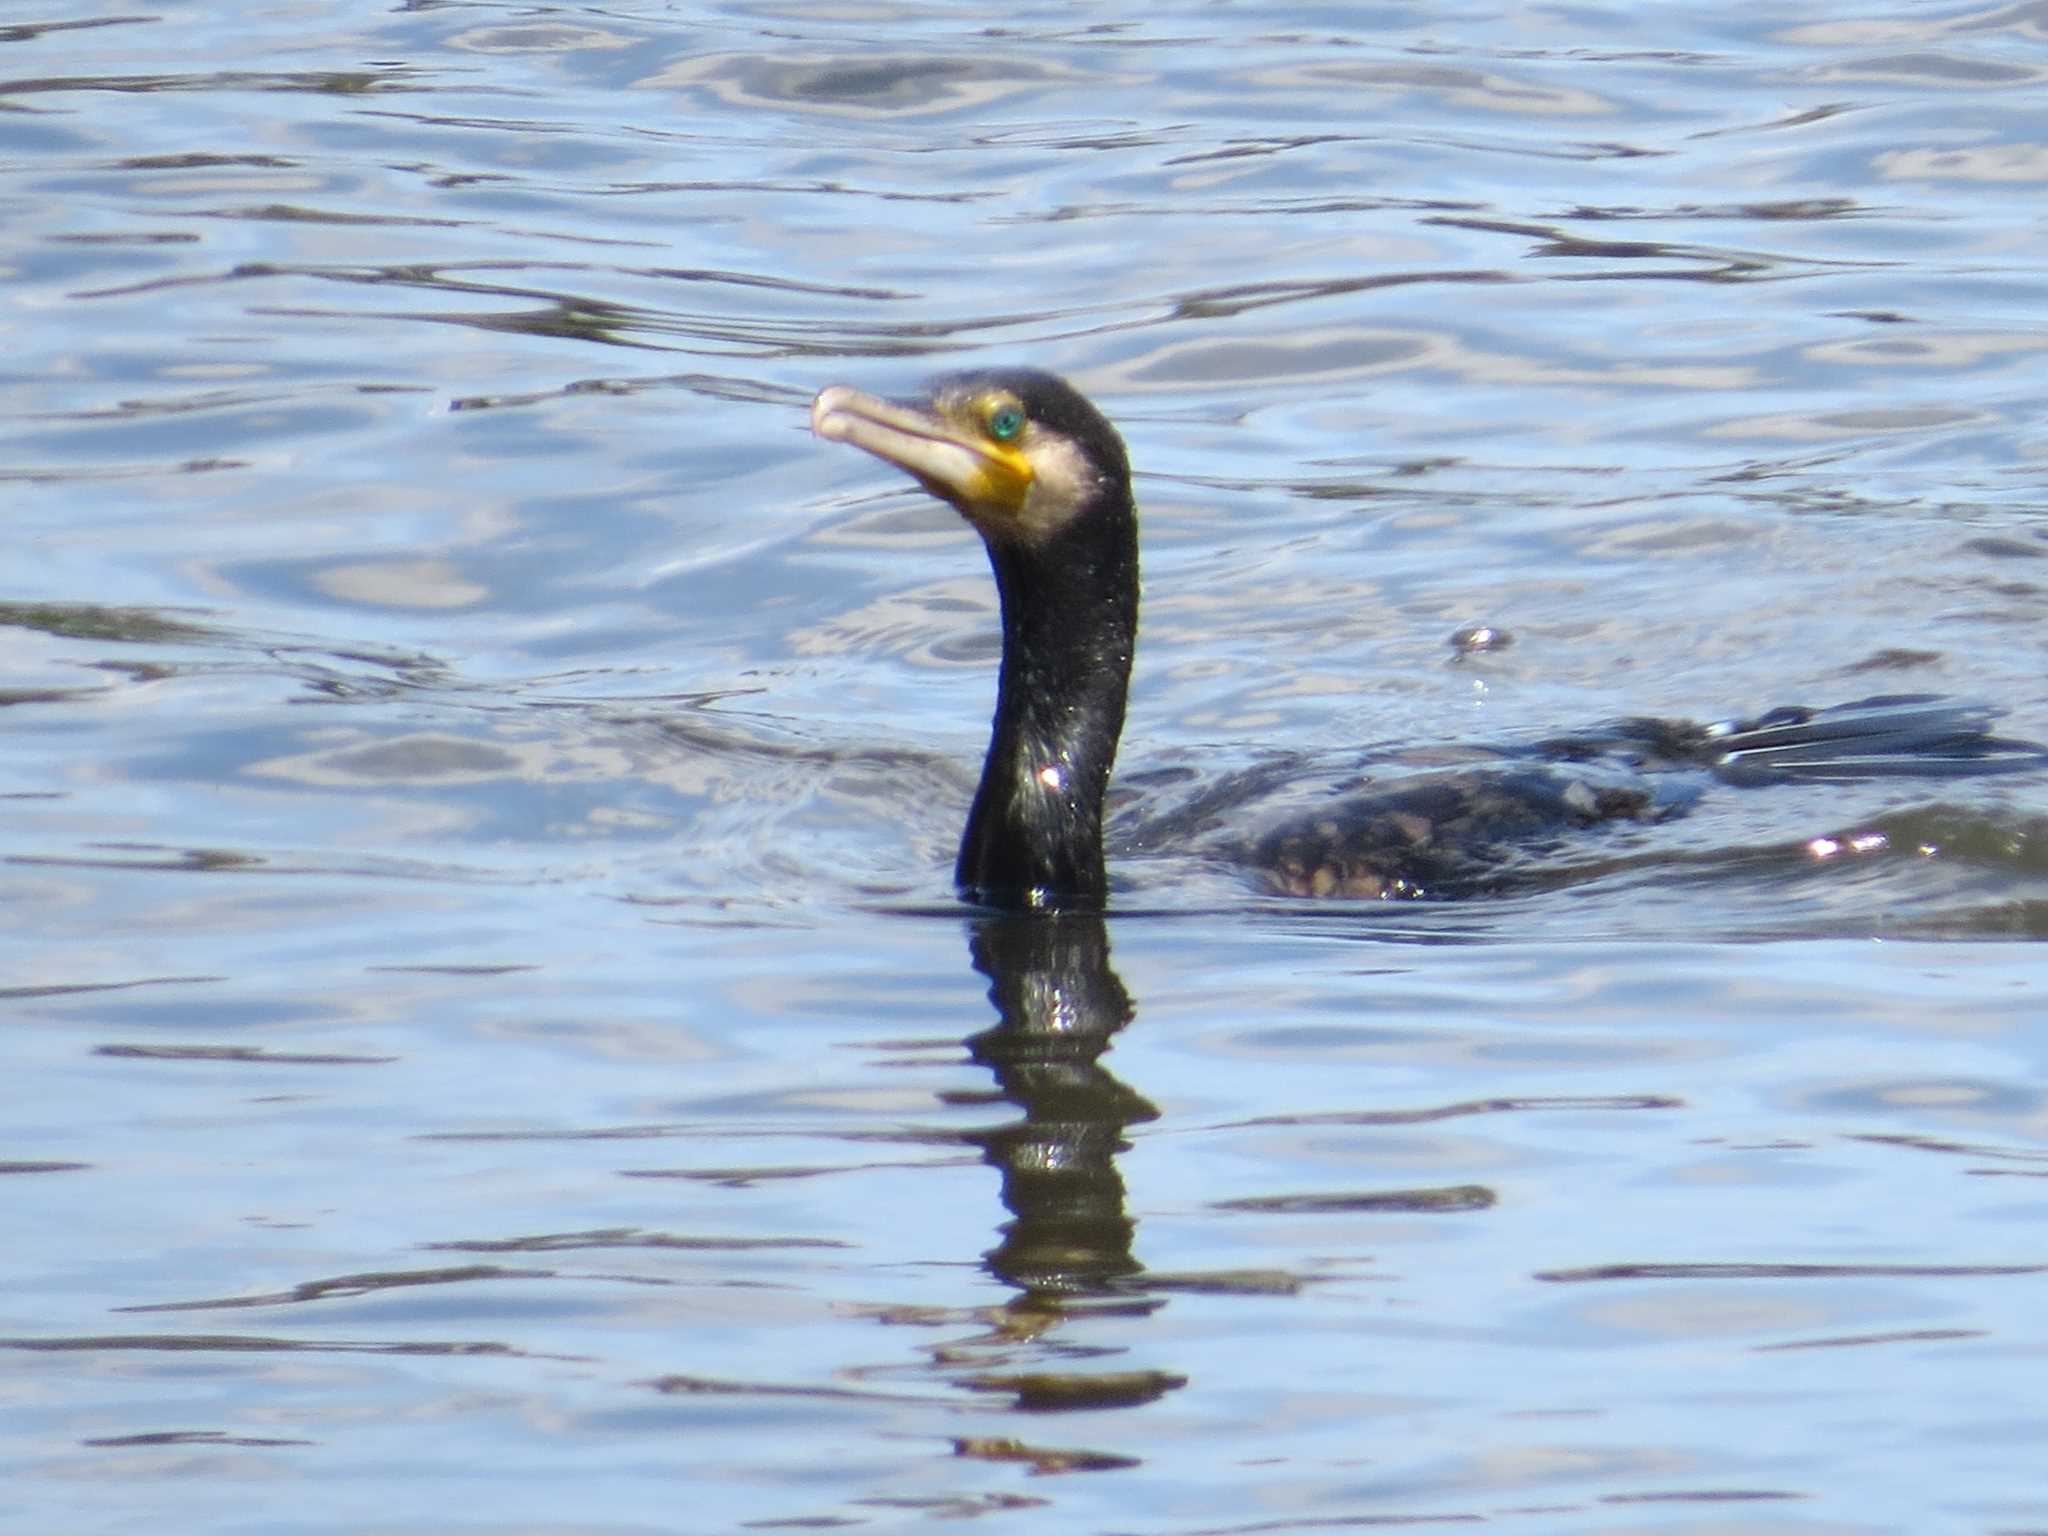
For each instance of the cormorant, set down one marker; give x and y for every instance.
(1045, 479)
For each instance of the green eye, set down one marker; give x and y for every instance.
(1005, 422)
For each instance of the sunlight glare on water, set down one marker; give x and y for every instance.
(494, 1044)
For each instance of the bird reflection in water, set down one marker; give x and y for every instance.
(1067, 1247)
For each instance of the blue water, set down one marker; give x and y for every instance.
(491, 1046)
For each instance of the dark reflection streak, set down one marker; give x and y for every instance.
(28, 32)
(72, 988)
(1300, 1522)
(216, 861)
(539, 127)
(1790, 210)
(1453, 1197)
(86, 474)
(1859, 1340)
(796, 189)
(579, 320)
(349, 1286)
(191, 1437)
(1060, 1004)
(1571, 1103)
(711, 385)
(575, 317)
(293, 213)
(747, 1178)
(448, 278)
(242, 1055)
(1729, 272)
(138, 410)
(1228, 208)
(1787, 1272)
(13, 696)
(1576, 151)
(709, 1386)
(99, 621)
(629, 1237)
(234, 1343)
(1939, 1144)
(1245, 297)
(770, 281)
(195, 160)
(1703, 1496)
(337, 83)
(1707, 261)
(1238, 149)
(1802, 119)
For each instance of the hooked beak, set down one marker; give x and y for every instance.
(945, 450)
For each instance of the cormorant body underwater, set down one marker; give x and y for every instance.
(1045, 479)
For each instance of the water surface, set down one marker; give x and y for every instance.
(493, 1045)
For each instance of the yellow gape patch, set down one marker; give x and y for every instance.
(978, 450)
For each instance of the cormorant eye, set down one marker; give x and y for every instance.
(1005, 422)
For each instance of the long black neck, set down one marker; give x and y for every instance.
(1070, 619)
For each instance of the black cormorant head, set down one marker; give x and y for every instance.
(1020, 453)
(1044, 478)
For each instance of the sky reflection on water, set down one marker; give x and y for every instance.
(494, 1045)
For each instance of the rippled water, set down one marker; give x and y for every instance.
(492, 1045)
